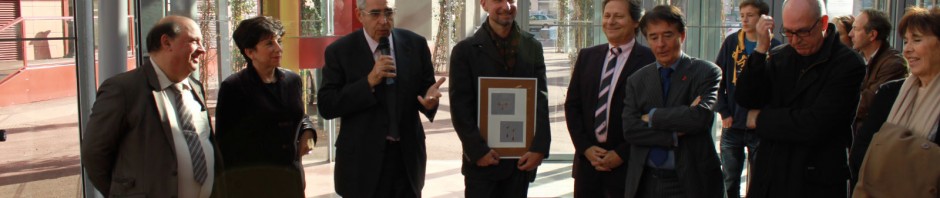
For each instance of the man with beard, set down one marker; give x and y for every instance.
(498, 49)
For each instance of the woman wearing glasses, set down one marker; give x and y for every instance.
(262, 129)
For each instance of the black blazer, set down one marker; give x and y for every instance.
(697, 161)
(365, 116)
(258, 131)
(805, 123)
(582, 102)
(476, 57)
(127, 148)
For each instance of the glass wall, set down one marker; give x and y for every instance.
(40, 157)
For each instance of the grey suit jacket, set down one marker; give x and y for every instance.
(697, 161)
(127, 146)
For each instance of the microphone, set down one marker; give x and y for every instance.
(386, 50)
(383, 47)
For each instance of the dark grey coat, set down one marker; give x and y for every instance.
(697, 161)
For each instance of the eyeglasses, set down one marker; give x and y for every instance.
(800, 33)
(388, 13)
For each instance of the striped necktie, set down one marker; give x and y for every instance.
(185, 118)
(603, 102)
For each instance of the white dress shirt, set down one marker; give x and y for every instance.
(187, 185)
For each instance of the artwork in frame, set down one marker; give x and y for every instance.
(506, 110)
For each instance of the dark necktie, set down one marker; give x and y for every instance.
(185, 118)
(659, 154)
(603, 103)
(390, 98)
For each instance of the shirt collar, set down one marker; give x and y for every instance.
(164, 80)
(674, 66)
(623, 48)
(373, 44)
(872, 56)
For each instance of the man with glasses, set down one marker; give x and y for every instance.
(377, 80)
(802, 97)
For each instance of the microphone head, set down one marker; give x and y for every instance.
(383, 40)
(384, 47)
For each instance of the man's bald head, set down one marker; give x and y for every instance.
(175, 45)
(170, 26)
(816, 8)
(805, 23)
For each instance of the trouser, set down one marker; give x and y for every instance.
(660, 183)
(514, 186)
(733, 142)
(393, 181)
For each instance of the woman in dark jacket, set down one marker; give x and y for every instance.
(260, 121)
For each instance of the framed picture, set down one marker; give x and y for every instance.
(506, 110)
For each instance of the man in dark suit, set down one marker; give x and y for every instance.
(499, 48)
(378, 87)
(802, 102)
(149, 133)
(596, 93)
(668, 116)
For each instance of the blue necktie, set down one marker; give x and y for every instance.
(659, 154)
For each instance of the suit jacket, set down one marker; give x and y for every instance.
(475, 57)
(887, 65)
(697, 161)
(807, 105)
(127, 147)
(582, 102)
(258, 133)
(365, 115)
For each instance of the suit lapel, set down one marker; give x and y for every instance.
(158, 100)
(631, 66)
(401, 62)
(679, 82)
(594, 69)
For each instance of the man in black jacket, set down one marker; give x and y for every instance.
(498, 49)
(802, 102)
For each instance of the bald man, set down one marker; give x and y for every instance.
(802, 102)
(148, 134)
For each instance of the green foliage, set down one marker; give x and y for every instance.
(240, 10)
(312, 20)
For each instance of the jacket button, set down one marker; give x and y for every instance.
(925, 145)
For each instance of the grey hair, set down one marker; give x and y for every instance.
(361, 4)
(819, 10)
